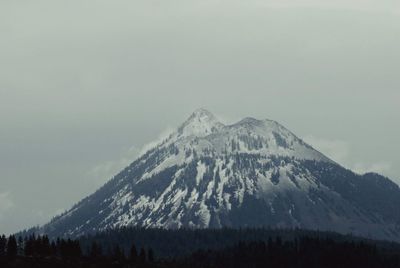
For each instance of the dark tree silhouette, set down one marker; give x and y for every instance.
(95, 250)
(117, 254)
(3, 246)
(241, 248)
(20, 246)
(142, 255)
(12, 248)
(133, 255)
(150, 255)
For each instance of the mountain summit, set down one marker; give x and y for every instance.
(254, 173)
(201, 123)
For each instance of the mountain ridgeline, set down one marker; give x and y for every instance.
(254, 173)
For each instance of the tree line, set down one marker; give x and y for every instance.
(208, 248)
(40, 250)
(304, 252)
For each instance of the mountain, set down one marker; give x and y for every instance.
(249, 174)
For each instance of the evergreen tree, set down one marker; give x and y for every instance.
(20, 246)
(45, 246)
(133, 255)
(12, 248)
(29, 246)
(53, 249)
(3, 245)
(142, 255)
(70, 249)
(95, 250)
(150, 255)
(117, 254)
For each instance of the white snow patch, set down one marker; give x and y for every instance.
(201, 170)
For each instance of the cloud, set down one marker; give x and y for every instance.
(163, 136)
(340, 152)
(106, 170)
(337, 150)
(381, 167)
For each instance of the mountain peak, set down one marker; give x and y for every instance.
(201, 112)
(200, 123)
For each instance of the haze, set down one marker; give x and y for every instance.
(85, 85)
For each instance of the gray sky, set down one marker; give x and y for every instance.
(85, 85)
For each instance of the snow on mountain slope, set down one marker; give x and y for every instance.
(204, 135)
(251, 173)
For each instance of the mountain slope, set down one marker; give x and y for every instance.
(249, 174)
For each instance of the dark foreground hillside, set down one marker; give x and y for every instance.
(210, 248)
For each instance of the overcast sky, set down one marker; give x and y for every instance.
(85, 85)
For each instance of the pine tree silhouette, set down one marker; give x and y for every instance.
(20, 246)
(133, 255)
(117, 254)
(3, 245)
(96, 250)
(142, 255)
(150, 255)
(12, 248)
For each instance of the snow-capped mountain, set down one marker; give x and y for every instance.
(249, 174)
